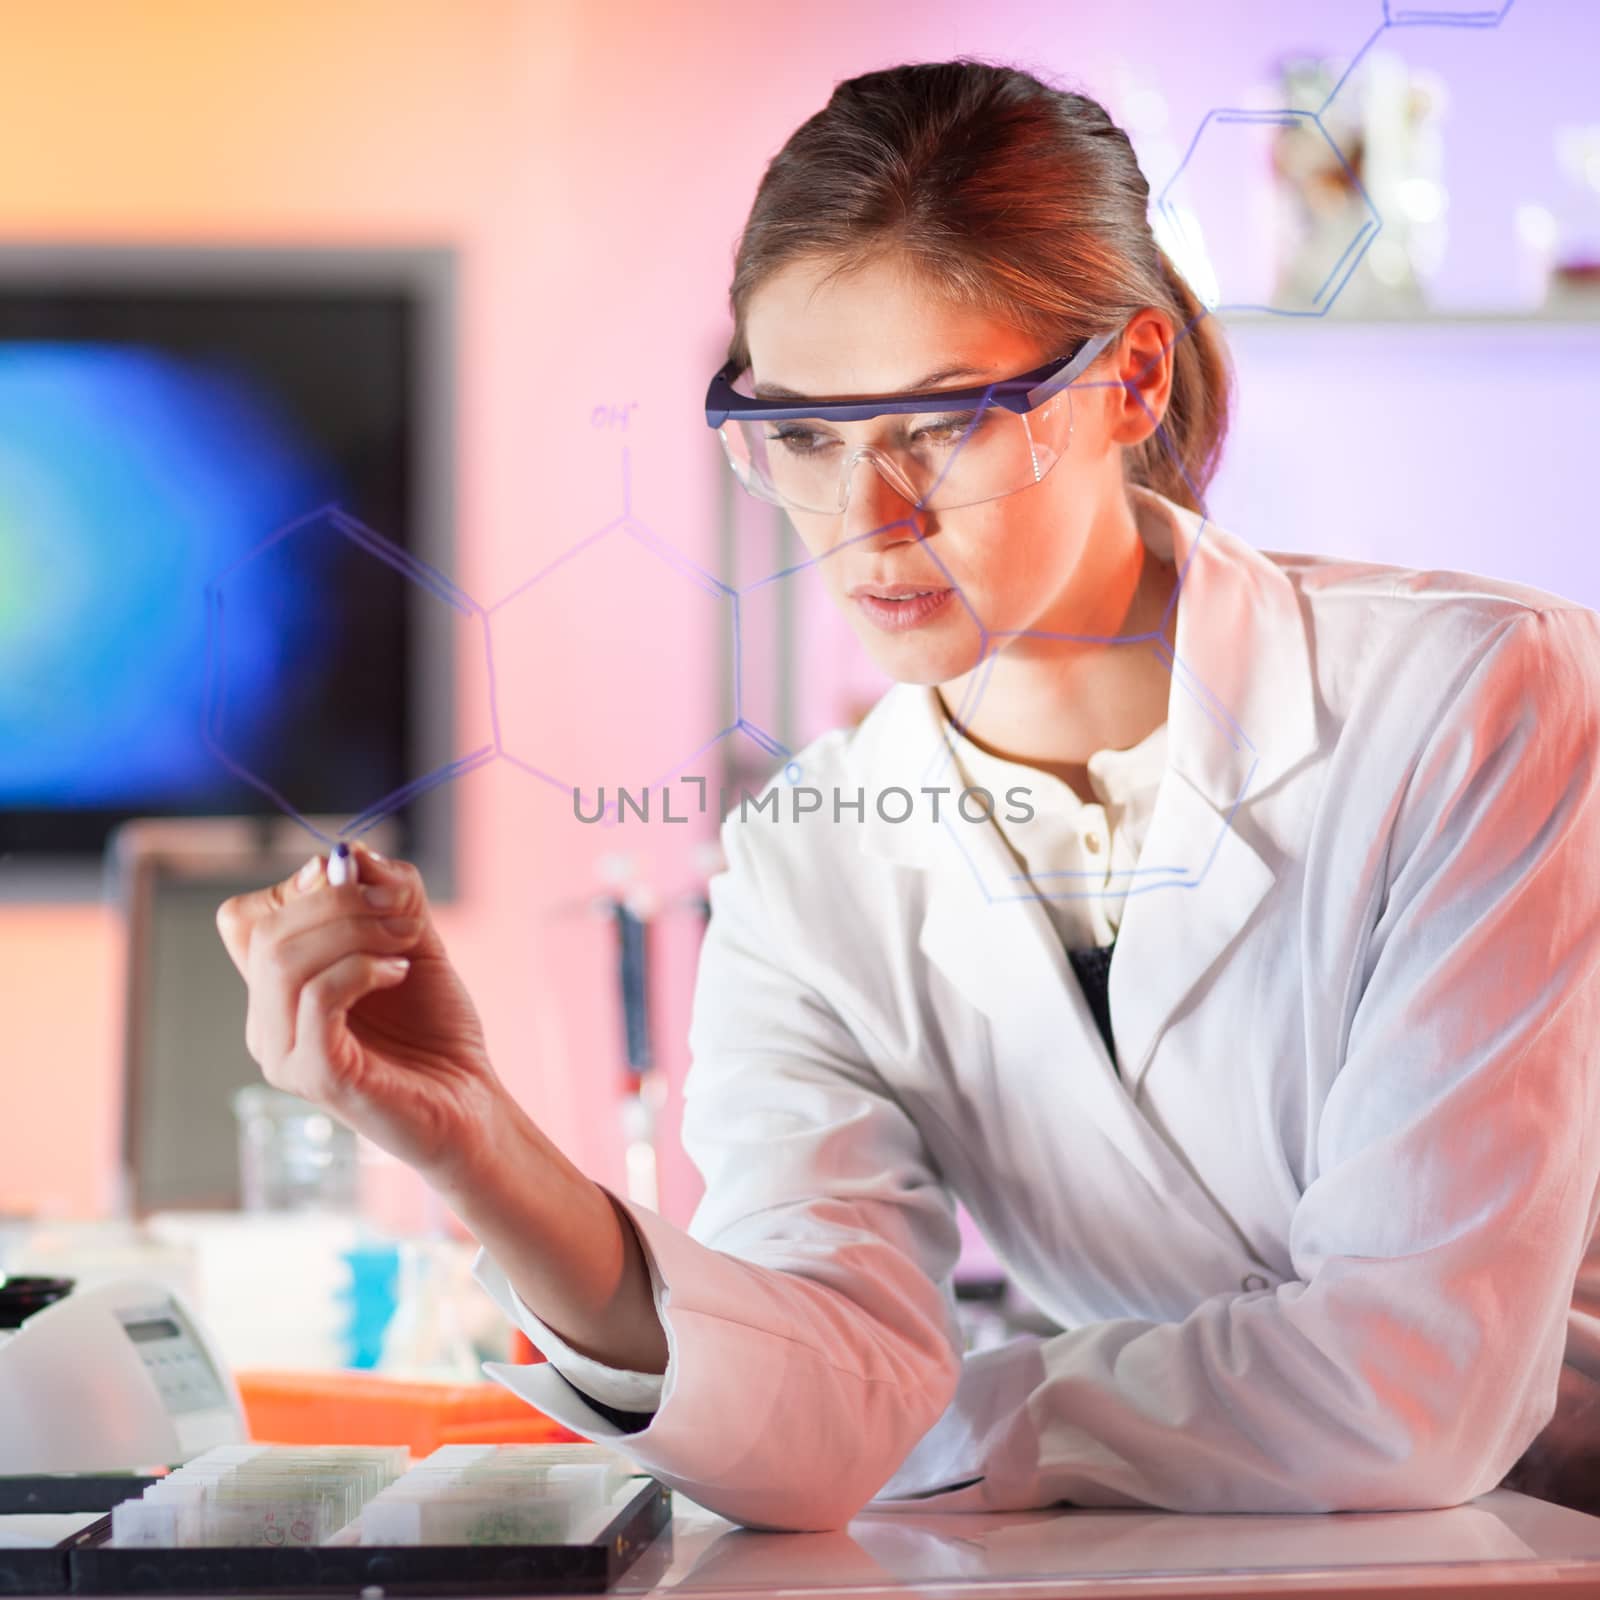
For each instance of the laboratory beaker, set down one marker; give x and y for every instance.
(293, 1156)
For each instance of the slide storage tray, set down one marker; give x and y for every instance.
(45, 1571)
(33, 1572)
(95, 1568)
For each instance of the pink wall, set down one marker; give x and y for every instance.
(592, 164)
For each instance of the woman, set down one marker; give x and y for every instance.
(1308, 1174)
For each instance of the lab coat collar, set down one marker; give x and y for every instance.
(1241, 715)
(1241, 712)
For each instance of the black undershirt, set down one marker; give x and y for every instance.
(1092, 968)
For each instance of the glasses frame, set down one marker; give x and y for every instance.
(1022, 394)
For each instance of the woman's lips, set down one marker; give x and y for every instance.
(910, 611)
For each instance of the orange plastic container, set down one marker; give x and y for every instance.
(354, 1407)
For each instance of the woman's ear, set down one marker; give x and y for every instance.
(1143, 367)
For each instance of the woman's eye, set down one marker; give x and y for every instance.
(945, 430)
(948, 430)
(797, 441)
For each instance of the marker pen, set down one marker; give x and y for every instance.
(342, 867)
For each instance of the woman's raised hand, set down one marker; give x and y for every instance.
(355, 1007)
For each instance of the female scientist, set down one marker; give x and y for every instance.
(1307, 1173)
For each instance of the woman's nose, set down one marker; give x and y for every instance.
(872, 501)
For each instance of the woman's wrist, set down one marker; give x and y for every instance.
(566, 1247)
(475, 1162)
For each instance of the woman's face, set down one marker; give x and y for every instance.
(1025, 561)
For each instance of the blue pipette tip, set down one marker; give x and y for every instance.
(341, 865)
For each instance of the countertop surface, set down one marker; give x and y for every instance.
(1503, 1542)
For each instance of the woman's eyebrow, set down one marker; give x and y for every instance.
(777, 391)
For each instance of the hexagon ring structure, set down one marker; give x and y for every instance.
(1223, 261)
(1399, 15)
(257, 696)
(607, 669)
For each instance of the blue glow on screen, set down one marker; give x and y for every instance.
(128, 480)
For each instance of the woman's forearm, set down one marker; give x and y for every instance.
(570, 1253)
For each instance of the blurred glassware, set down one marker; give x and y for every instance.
(371, 1297)
(292, 1156)
(97, 1250)
(1385, 122)
(272, 1285)
(429, 1335)
(1570, 241)
(1574, 289)
(14, 1230)
(1578, 155)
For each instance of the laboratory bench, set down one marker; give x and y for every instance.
(1503, 1543)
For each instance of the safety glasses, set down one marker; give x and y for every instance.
(953, 447)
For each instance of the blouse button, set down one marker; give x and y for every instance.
(1091, 843)
(1252, 1280)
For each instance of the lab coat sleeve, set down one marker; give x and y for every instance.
(1417, 1351)
(617, 1387)
(811, 1334)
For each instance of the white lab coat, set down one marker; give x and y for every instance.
(1324, 1242)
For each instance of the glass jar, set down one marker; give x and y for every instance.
(293, 1156)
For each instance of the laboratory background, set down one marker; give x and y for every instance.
(355, 481)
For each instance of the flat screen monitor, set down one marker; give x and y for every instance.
(220, 471)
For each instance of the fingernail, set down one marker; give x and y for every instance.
(380, 898)
(398, 966)
(308, 874)
(399, 925)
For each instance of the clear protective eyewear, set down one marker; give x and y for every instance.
(951, 447)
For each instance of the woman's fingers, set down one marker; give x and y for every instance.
(285, 936)
(239, 916)
(304, 939)
(324, 1001)
(380, 872)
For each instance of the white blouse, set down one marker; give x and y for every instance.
(1079, 857)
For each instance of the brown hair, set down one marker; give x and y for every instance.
(1005, 194)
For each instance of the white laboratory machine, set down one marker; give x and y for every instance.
(108, 1378)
